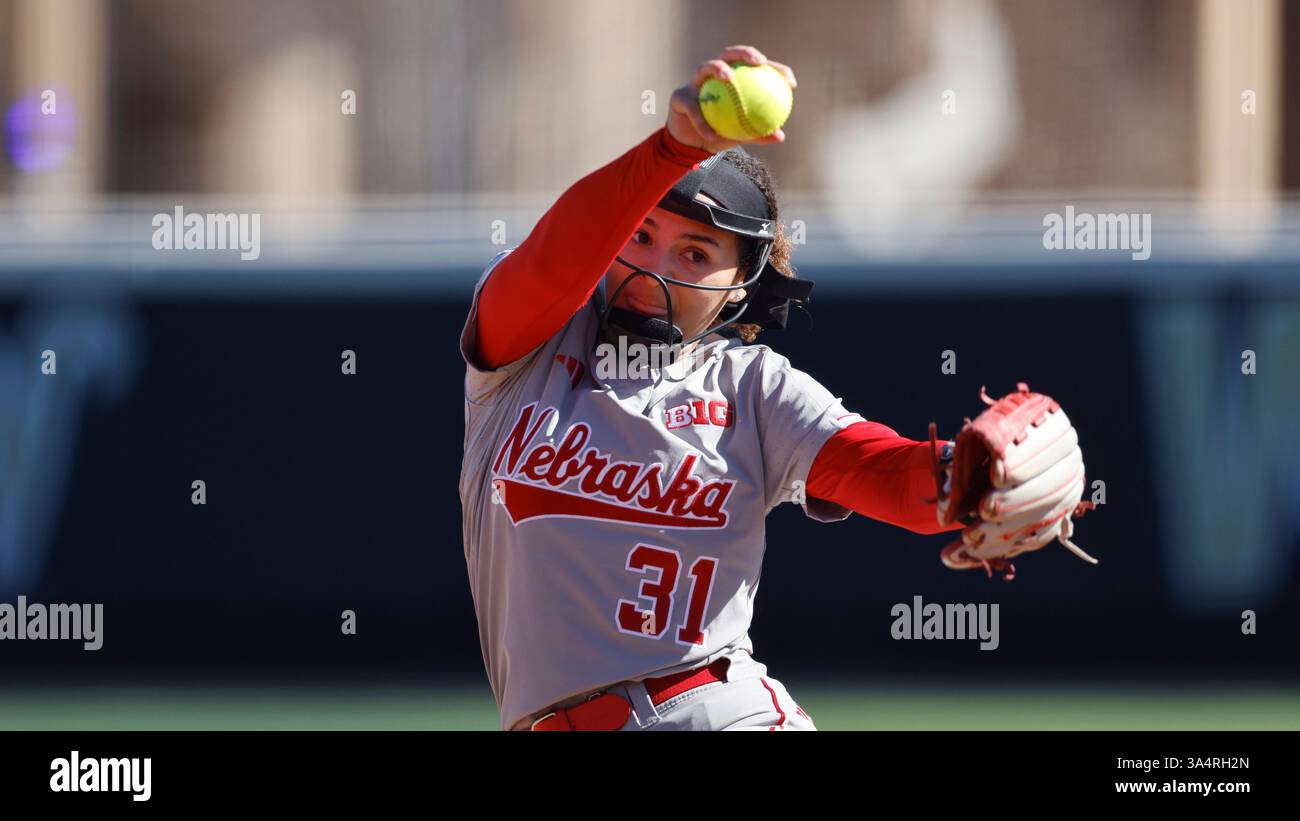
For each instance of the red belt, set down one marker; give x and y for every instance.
(610, 711)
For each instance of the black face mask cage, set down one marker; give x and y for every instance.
(656, 331)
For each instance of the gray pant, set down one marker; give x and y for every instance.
(747, 700)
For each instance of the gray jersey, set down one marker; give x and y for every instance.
(614, 528)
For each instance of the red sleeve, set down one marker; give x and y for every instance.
(541, 284)
(871, 470)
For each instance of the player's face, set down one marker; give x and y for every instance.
(680, 248)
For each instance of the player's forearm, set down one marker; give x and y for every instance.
(541, 284)
(871, 470)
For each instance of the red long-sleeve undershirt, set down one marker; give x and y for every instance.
(539, 286)
(871, 470)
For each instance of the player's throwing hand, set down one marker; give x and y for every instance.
(686, 121)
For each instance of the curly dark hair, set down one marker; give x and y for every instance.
(756, 170)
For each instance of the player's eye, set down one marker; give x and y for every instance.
(693, 255)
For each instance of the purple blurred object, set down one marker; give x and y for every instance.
(36, 141)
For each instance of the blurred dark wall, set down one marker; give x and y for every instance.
(328, 492)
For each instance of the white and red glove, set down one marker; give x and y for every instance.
(1016, 477)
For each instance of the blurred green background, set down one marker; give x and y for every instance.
(833, 707)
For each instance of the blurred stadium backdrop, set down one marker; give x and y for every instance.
(928, 142)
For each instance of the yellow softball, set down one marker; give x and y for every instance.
(754, 104)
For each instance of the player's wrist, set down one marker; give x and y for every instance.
(679, 152)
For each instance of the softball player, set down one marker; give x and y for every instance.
(614, 524)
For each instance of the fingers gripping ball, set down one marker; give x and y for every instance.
(1016, 478)
(753, 105)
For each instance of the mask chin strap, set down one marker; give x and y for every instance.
(654, 331)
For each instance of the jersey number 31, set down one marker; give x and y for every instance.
(661, 568)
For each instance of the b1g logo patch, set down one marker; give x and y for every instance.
(713, 412)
